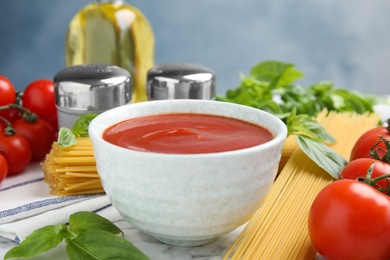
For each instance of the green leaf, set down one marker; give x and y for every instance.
(88, 236)
(98, 244)
(66, 137)
(85, 220)
(276, 73)
(322, 155)
(308, 126)
(322, 93)
(352, 101)
(80, 127)
(41, 240)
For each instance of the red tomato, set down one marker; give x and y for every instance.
(358, 169)
(362, 146)
(7, 91)
(3, 168)
(39, 134)
(17, 152)
(39, 98)
(350, 220)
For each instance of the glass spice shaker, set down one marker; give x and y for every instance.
(112, 32)
(180, 81)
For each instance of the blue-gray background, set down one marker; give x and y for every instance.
(344, 41)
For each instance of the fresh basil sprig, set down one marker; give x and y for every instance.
(88, 236)
(313, 139)
(271, 86)
(306, 125)
(68, 137)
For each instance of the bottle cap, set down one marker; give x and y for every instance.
(180, 81)
(90, 88)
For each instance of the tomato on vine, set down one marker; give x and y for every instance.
(16, 150)
(38, 132)
(362, 147)
(358, 169)
(39, 98)
(8, 96)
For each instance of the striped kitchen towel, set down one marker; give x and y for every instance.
(26, 204)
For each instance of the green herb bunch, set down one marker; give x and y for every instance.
(271, 86)
(88, 236)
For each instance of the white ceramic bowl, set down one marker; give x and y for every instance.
(187, 199)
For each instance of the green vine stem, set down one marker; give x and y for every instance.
(8, 130)
(375, 150)
(373, 182)
(26, 113)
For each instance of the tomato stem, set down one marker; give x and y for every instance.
(373, 182)
(8, 130)
(374, 150)
(27, 114)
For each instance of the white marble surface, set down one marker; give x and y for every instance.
(154, 249)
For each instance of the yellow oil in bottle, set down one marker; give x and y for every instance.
(115, 33)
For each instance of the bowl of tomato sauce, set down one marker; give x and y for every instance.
(187, 171)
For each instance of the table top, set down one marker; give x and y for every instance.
(155, 249)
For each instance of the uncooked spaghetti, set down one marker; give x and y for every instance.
(278, 230)
(72, 170)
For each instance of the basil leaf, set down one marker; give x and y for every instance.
(322, 155)
(85, 220)
(276, 73)
(305, 125)
(98, 244)
(80, 127)
(41, 240)
(353, 101)
(66, 137)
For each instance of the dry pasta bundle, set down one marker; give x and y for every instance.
(72, 170)
(278, 230)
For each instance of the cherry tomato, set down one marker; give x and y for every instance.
(358, 169)
(3, 168)
(350, 220)
(361, 149)
(7, 91)
(39, 98)
(39, 134)
(17, 151)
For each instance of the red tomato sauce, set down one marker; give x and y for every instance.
(186, 133)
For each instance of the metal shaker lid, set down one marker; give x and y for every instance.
(180, 81)
(92, 87)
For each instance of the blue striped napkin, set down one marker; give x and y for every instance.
(26, 204)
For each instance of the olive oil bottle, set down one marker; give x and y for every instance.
(115, 33)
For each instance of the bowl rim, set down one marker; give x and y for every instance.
(95, 132)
